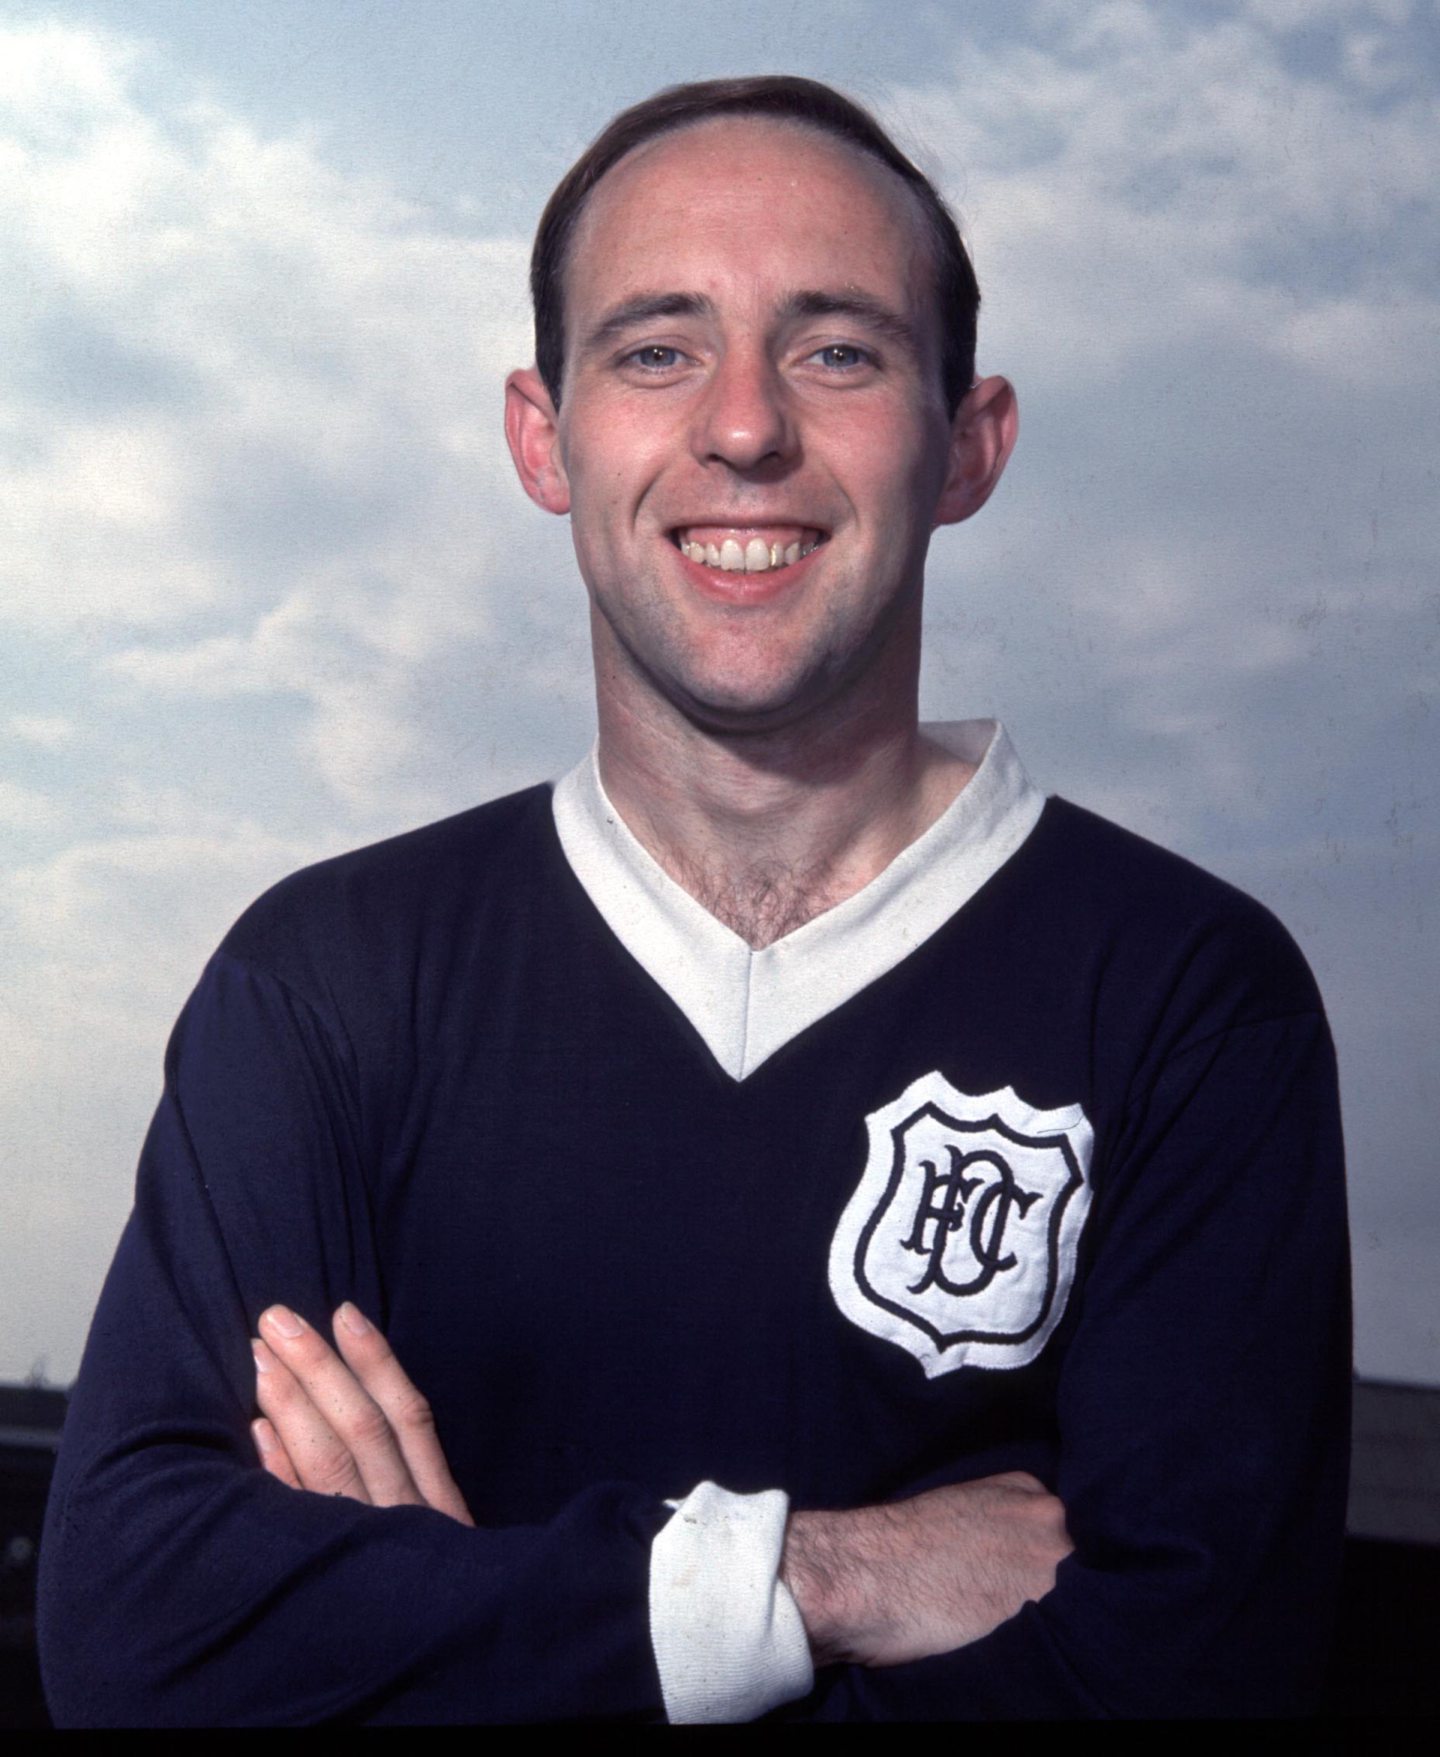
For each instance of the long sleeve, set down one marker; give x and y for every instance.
(427, 1078)
(1202, 1417)
(182, 1585)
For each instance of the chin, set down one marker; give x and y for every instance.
(769, 707)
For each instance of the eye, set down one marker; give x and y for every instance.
(842, 356)
(654, 357)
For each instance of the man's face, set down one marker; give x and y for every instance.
(752, 378)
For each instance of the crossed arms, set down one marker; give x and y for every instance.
(876, 1586)
(1192, 1424)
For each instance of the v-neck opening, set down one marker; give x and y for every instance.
(746, 1003)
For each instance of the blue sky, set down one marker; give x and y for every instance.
(268, 590)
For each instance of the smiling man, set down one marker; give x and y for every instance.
(871, 1237)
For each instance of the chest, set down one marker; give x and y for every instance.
(642, 1267)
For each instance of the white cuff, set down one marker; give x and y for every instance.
(729, 1641)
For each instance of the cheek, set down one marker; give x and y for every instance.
(612, 473)
(893, 486)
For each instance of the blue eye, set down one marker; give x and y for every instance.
(843, 356)
(655, 358)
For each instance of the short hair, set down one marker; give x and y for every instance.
(787, 98)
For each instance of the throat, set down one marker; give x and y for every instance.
(761, 902)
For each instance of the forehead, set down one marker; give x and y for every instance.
(747, 202)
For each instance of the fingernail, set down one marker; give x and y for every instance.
(262, 1356)
(260, 1434)
(282, 1321)
(353, 1319)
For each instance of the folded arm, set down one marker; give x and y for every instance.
(1199, 1409)
(182, 1585)
(875, 1586)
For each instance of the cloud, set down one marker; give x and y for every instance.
(48, 731)
(226, 361)
(251, 418)
(269, 589)
(24, 807)
(1225, 347)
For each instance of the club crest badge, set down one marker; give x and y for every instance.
(959, 1242)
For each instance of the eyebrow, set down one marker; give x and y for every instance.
(877, 316)
(644, 308)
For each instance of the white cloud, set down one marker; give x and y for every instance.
(24, 808)
(127, 919)
(250, 409)
(1226, 343)
(223, 357)
(48, 731)
(1141, 181)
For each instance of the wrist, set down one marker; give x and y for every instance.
(813, 1568)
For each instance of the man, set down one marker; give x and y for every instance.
(795, 1102)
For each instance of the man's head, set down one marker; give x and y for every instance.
(783, 97)
(756, 440)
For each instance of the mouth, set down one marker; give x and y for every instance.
(746, 548)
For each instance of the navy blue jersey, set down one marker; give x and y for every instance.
(1059, 1190)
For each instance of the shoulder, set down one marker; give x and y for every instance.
(402, 897)
(1155, 927)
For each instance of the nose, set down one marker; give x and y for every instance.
(744, 419)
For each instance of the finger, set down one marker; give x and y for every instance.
(322, 1460)
(373, 1362)
(272, 1453)
(345, 1407)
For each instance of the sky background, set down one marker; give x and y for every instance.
(268, 589)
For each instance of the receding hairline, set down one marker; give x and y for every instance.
(748, 119)
(801, 103)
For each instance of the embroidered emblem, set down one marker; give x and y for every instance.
(959, 1242)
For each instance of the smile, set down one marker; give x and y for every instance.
(746, 549)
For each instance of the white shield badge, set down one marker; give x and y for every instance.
(959, 1242)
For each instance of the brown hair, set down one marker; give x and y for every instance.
(788, 98)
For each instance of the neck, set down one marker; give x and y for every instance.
(768, 829)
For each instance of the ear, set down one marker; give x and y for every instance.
(532, 432)
(982, 436)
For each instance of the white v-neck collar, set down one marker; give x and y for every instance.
(746, 1004)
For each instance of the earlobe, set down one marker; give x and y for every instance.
(533, 434)
(982, 436)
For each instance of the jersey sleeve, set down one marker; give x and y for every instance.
(1202, 1411)
(180, 1584)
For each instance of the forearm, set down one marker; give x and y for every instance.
(889, 1584)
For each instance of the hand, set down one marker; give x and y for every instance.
(355, 1427)
(884, 1585)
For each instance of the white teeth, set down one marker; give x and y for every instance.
(754, 556)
